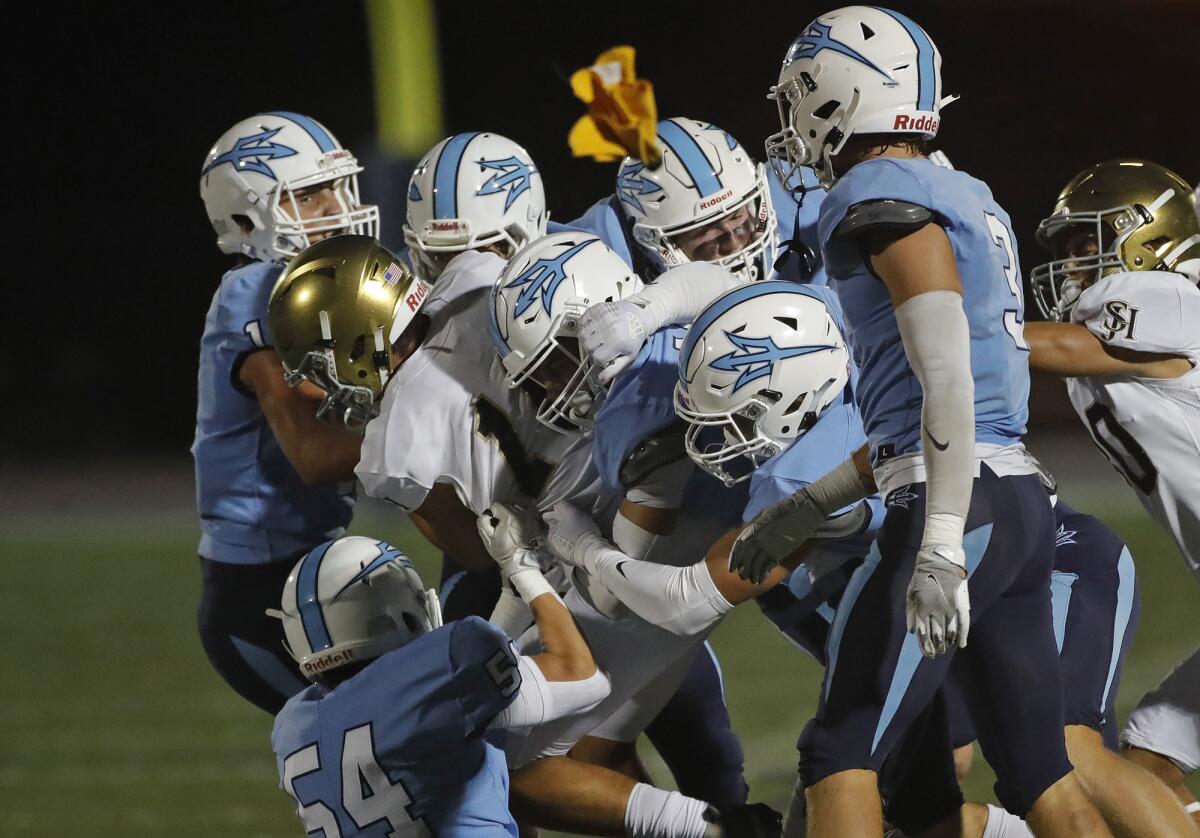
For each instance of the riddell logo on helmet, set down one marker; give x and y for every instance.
(328, 661)
(413, 300)
(712, 202)
(446, 226)
(904, 122)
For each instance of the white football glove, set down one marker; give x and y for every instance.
(570, 530)
(937, 605)
(612, 335)
(511, 534)
(773, 535)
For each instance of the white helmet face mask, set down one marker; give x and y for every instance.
(857, 70)
(705, 178)
(351, 600)
(757, 369)
(253, 172)
(470, 191)
(536, 306)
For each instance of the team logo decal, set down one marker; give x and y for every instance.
(816, 40)
(631, 185)
(387, 554)
(512, 177)
(756, 357)
(901, 497)
(1120, 318)
(1065, 536)
(250, 153)
(542, 278)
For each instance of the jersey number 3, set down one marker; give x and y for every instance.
(368, 796)
(1014, 318)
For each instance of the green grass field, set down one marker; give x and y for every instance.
(113, 723)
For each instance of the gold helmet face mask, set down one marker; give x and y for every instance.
(1126, 215)
(335, 312)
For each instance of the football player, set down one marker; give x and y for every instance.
(271, 479)
(393, 734)
(1122, 306)
(924, 264)
(706, 201)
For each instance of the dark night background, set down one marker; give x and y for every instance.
(114, 109)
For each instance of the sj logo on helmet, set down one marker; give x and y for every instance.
(904, 122)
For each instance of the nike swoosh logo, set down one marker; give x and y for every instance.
(620, 571)
(941, 446)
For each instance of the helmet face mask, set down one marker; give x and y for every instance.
(350, 600)
(253, 174)
(472, 191)
(536, 305)
(1121, 215)
(760, 366)
(705, 179)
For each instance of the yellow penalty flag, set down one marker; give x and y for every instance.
(622, 118)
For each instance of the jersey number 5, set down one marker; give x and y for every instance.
(368, 796)
(1014, 318)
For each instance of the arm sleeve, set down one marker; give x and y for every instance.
(681, 293)
(683, 600)
(539, 701)
(941, 359)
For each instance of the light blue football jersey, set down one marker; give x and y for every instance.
(254, 508)
(889, 395)
(405, 740)
(604, 220)
(797, 218)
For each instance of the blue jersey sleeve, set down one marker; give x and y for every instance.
(240, 314)
(483, 663)
(640, 403)
(605, 220)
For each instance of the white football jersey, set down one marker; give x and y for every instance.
(1148, 428)
(447, 415)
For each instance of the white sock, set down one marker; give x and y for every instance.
(1004, 824)
(1192, 808)
(655, 813)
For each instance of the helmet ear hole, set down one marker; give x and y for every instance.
(357, 350)
(410, 622)
(826, 110)
(244, 222)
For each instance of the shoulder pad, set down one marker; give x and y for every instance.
(656, 451)
(886, 214)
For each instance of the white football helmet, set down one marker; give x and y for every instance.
(760, 364)
(857, 70)
(536, 305)
(469, 191)
(705, 176)
(251, 175)
(351, 600)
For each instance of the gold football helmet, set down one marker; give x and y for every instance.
(335, 312)
(1120, 215)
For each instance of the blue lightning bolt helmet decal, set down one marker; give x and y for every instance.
(543, 278)
(729, 140)
(816, 40)
(414, 194)
(631, 183)
(387, 554)
(248, 154)
(512, 176)
(756, 357)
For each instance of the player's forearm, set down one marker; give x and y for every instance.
(682, 293)
(682, 600)
(566, 655)
(1070, 350)
(936, 337)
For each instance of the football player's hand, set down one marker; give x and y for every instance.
(612, 335)
(937, 606)
(505, 529)
(569, 525)
(773, 535)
